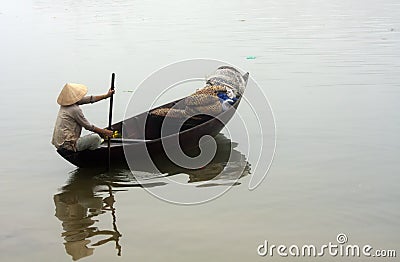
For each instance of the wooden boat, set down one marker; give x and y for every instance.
(143, 132)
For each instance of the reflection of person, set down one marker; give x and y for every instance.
(77, 206)
(70, 120)
(77, 225)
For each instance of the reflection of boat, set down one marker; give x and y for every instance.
(143, 132)
(89, 194)
(228, 165)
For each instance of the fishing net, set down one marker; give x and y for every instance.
(204, 101)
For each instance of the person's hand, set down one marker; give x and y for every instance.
(108, 133)
(110, 93)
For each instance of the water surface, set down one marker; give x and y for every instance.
(330, 70)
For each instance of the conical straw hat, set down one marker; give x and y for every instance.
(71, 93)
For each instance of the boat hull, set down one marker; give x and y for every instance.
(188, 139)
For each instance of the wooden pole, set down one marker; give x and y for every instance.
(110, 121)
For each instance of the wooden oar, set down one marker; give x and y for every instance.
(110, 121)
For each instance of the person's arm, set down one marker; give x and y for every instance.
(94, 99)
(103, 132)
(81, 120)
(101, 97)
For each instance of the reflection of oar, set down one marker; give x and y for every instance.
(114, 217)
(110, 120)
(114, 234)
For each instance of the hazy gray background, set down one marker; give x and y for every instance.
(329, 68)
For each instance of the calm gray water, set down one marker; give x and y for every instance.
(329, 68)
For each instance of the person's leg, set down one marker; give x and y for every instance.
(91, 142)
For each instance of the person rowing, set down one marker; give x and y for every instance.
(70, 120)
